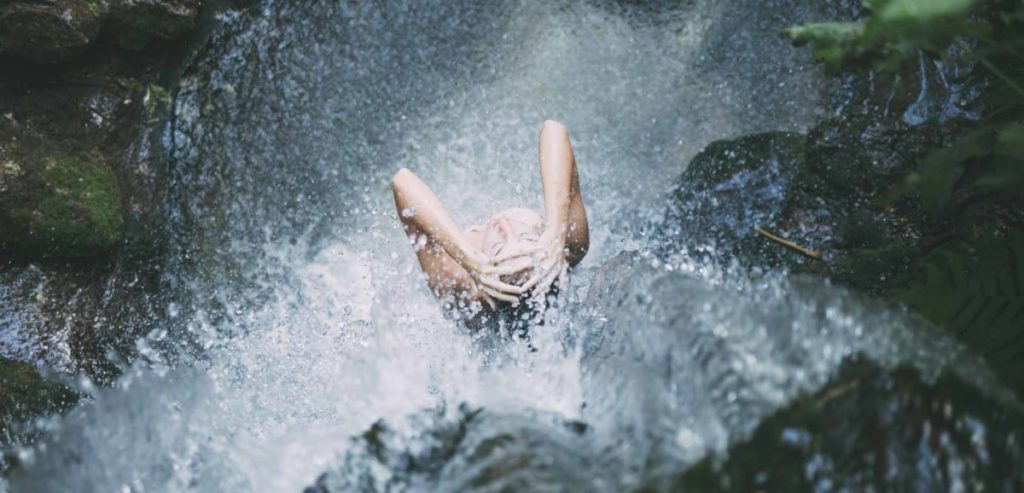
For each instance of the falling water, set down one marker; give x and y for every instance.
(296, 316)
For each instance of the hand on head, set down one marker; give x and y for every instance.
(530, 271)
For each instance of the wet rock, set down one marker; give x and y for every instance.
(49, 31)
(819, 191)
(82, 207)
(25, 394)
(133, 24)
(872, 429)
(472, 450)
(823, 190)
(729, 189)
(56, 203)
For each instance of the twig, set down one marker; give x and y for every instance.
(810, 253)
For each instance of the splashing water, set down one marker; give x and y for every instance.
(297, 316)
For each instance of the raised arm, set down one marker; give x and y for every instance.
(566, 237)
(452, 264)
(420, 208)
(565, 216)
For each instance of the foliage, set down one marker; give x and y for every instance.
(894, 31)
(986, 162)
(977, 291)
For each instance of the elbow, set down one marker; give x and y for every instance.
(401, 176)
(553, 126)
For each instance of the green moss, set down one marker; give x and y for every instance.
(61, 205)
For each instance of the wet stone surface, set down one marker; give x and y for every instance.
(871, 429)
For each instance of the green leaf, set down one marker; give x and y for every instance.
(894, 31)
(977, 293)
(918, 11)
(830, 41)
(937, 175)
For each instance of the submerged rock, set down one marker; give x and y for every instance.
(56, 203)
(872, 429)
(49, 31)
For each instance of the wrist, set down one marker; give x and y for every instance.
(556, 233)
(471, 260)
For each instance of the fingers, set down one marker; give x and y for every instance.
(499, 295)
(514, 254)
(512, 267)
(542, 273)
(487, 299)
(545, 284)
(497, 285)
(529, 284)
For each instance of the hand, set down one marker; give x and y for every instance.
(486, 274)
(548, 263)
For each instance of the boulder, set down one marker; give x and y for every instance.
(49, 31)
(133, 24)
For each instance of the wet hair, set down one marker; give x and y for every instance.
(509, 231)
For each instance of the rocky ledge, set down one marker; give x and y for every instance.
(84, 89)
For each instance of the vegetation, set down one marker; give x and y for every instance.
(965, 200)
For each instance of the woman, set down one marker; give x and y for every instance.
(517, 254)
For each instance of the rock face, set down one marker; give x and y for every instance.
(53, 31)
(49, 31)
(133, 24)
(81, 185)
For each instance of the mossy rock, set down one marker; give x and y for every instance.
(873, 429)
(25, 394)
(57, 203)
(51, 31)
